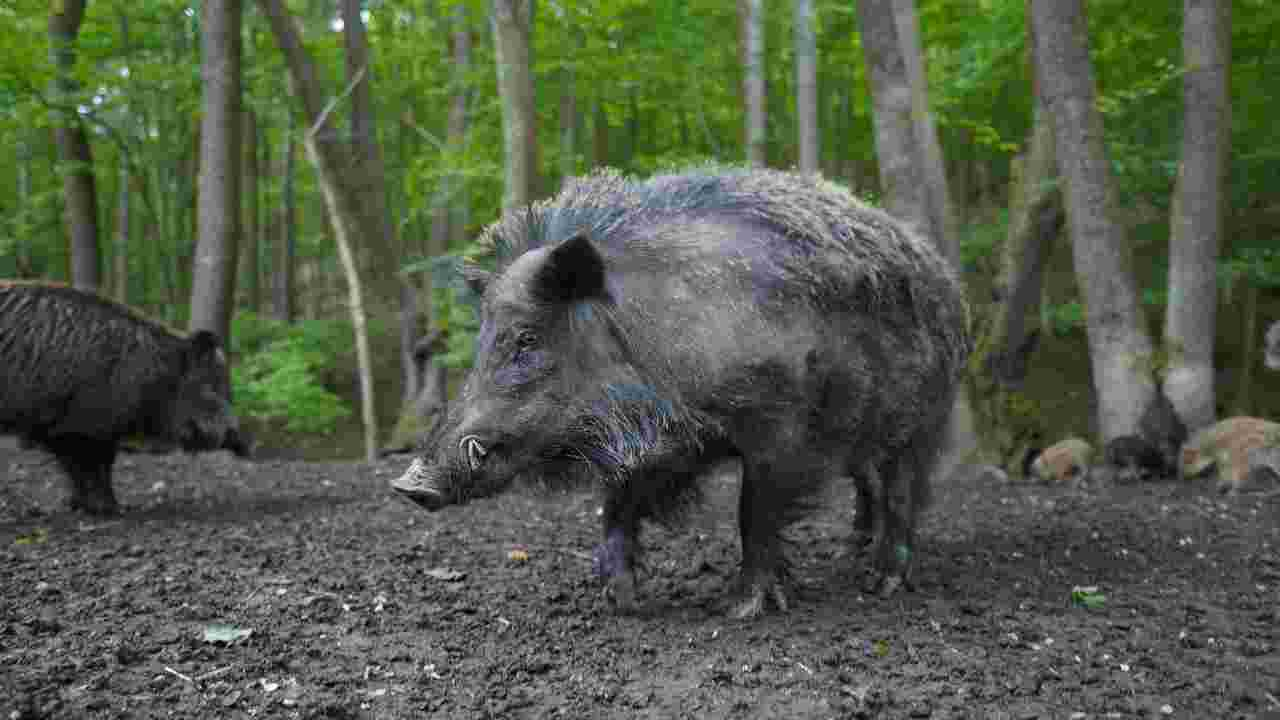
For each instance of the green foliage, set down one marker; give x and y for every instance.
(1063, 319)
(278, 377)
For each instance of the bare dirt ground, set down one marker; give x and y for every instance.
(233, 589)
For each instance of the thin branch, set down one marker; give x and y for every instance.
(334, 103)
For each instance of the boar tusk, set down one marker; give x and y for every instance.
(474, 451)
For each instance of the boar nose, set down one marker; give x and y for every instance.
(414, 485)
(473, 450)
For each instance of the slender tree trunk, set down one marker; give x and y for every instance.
(123, 222)
(753, 46)
(460, 215)
(249, 266)
(568, 126)
(1197, 221)
(901, 178)
(21, 250)
(283, 264)
(1243, 404)
(943, 221)
(599, 134)
(1036, 217)
(343, 214)
(1120, 348)
(80, 194)
(807, 87)
(213, 281)
(511, 32)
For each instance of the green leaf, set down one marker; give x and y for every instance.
(225, 634)
(38, 536)
(1088, 597)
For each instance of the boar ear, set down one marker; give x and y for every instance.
(203, 346)
(476, 278)
(573, 271)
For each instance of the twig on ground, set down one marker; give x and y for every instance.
(171, 671)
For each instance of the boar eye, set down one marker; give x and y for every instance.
(527, 340)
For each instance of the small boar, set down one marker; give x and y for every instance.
(1066, 461)
(1235, 448)
(79, 374)
(634, 334)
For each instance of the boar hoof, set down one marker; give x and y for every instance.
(620, 592)
(100, 507)
(758, 599)
(890, 585)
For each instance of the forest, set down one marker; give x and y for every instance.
(153, 141)
(311, 181)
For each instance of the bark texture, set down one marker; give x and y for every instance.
(944, 224)
(753, 50)
(510, 19)
(1198, 212)
(806, 86)
(79, 189)
(901, 177)
(214, 276)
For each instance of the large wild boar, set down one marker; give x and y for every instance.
(79, 373)
(635, 333)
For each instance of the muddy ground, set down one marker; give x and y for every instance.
(232, 589)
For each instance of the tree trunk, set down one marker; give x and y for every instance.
(123, 221)
(806, 87)
(901, 178)
(79, 190)
(368, 187)
(249, 266)
(752, 12)
(511, 31)
(213, 280)
(1120, 348)
(1036, 217)
(283, 263)
(568, 126)
(460, 215)
(1243, 404)
(943, 221)
(1197, 219)
(344, 216)
(357, 205)
(599, 134)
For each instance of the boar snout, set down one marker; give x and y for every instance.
(417, 485)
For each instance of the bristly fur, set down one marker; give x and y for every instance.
(632, 439)
(861, 266)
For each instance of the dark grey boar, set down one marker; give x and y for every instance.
(635, 333)
(79, 373)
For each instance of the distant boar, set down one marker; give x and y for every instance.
(79, 373)
(1066, 461)
(636, 333)
(1237, 448)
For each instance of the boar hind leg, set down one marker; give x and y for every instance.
(87, 464)
(903, 492)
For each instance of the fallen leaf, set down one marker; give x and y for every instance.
(225, 634)
(36, 537)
